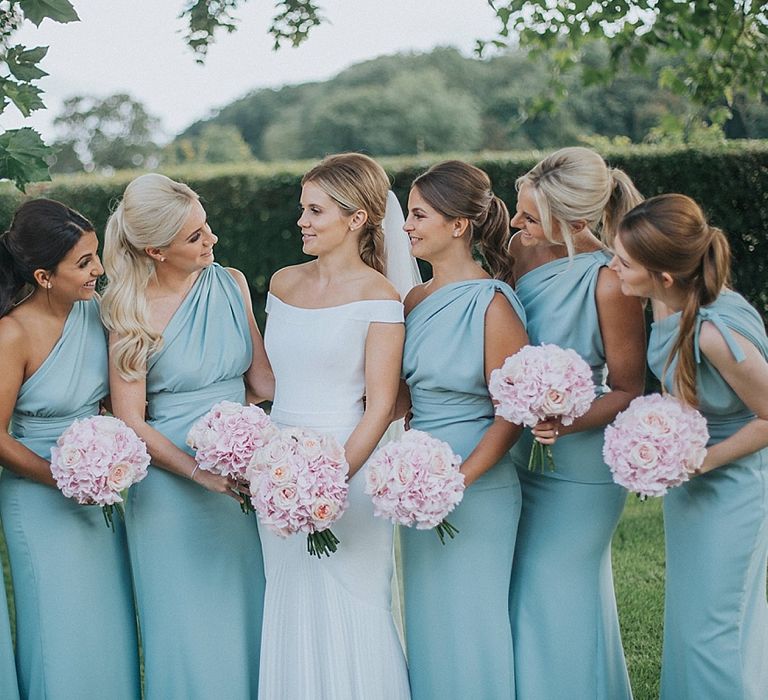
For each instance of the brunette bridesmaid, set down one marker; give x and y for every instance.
(460, 326)
(709, 348)
(75, 618)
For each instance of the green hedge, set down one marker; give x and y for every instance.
(253, 208)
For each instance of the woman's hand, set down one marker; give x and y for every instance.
(218, 484)
(547, 431)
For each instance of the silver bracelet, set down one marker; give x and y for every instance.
(192, 475)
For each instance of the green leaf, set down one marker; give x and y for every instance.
(57, 10)
(22, 157)
(26, 97)
(22, 63)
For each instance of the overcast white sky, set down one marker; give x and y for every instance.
(136, 46)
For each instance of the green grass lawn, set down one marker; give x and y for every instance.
(638, 562)
(638, 569)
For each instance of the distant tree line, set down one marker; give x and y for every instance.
(408, 104)
(716, 51)
(442, 101)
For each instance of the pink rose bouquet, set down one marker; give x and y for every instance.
(654, 444)
(299, 484)
(225, 438)
(416, 481)
(542, 382)
(95, 459)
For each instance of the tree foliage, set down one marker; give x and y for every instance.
(414, 112)
(717, 51)
(215, 143)
(442, 101)
(22, 151)
(292, 22)
(112, 133)
(719, 47)
(23, 155)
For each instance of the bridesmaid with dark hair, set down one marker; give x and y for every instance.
(75, 619)
(708, 347)
(460, 326)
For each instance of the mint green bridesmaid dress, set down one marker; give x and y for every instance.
(75, 618)
(9, 687)
(716, 532)
(457, 628)
(196, 559)
(562, 601)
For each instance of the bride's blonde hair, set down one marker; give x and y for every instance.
(354, 181)
(153, 210)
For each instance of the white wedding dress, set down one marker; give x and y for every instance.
(328, 629)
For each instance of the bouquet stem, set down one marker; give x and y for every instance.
(108, 512)
(246, 507)
(444, 528)
(541, 457)
(323, 542)
(245, 502)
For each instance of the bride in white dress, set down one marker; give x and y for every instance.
(334, 337)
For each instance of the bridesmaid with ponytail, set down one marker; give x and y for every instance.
(460, 326)
(708, 347)
(183, 337)
(562, 602)
(75, 618)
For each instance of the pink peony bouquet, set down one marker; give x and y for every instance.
(541, 382)
(299, 484)
(225, 438)
(95, 459)
(654, 444)
(416, 481)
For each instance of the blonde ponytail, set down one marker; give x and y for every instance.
(624, 196)
(371, 246)
(574, 184)
(153, 210)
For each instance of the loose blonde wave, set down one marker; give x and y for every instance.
(354, 181)
(575, 184)
(153, 210)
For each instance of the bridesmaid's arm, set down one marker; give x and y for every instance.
(13, 455)
(403, 402)
(259, 379)
(749, 380)
(129, 404)
(383, 359)
(504, 336)
(622, 327)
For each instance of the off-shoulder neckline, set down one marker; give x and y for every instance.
(337, 306)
